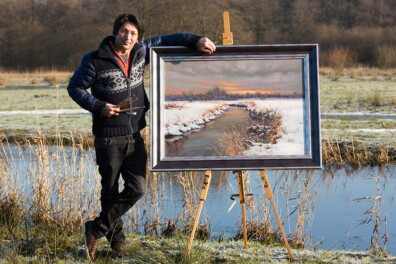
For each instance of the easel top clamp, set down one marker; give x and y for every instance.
(227, 35)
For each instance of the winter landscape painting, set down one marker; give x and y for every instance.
(233, 110)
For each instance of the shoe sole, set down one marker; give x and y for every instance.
(86, 243)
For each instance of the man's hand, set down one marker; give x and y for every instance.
(205, 45)
(110, 110)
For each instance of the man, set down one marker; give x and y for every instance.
(114, 73)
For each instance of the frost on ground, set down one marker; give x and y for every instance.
(46, 112)
(232, 251)
(194, 115)
(144, 249)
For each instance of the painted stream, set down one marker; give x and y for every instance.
(205, 142)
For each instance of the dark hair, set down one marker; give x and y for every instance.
(121, 19)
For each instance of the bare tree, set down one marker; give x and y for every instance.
(302, 20)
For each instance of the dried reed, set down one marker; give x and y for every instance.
(374, 215)
(259, 226)
(339, 58)
(190, 201)
(305, 208)
(51, 77)
(386, 56)
(351, 154)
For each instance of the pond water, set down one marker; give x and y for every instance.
(205, 142)
(335, 207)
(337, 203)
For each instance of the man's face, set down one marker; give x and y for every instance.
(126, 38)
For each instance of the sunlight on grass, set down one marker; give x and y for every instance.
(12, 78)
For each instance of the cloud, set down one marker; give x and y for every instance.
(259, 75)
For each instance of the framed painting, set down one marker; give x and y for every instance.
(241, 108)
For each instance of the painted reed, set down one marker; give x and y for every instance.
(233, 142)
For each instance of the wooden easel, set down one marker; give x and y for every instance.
(270, 195)
(202, 198)
(228, 40)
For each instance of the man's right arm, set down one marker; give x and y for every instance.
(82, 79)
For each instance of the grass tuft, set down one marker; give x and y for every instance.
(11, 217)
(386, 56)
(51, 80)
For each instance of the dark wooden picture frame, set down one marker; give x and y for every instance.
(241, 108)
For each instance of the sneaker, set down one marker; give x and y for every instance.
(91, 242)
(119, 251)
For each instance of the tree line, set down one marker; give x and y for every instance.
(219, 94)
(54, 34)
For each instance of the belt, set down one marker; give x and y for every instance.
(129, 136)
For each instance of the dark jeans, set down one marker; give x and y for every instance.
(115, 156)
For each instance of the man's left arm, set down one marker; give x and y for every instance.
(192, 41)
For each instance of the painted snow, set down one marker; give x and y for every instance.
(194, 115)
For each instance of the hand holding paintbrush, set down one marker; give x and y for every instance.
(114, 110)
(128, 102)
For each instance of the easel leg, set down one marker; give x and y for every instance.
(270, 195)
(241, 188)
(202, 198)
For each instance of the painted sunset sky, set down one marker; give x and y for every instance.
(235, 76)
